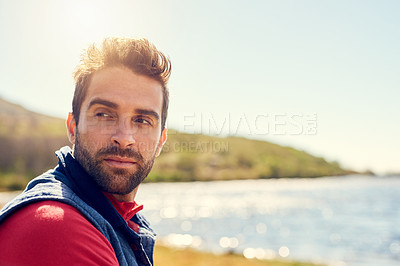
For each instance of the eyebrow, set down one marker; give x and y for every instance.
(103, 102)
(115, 106)
(148, 112)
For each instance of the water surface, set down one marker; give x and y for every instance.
(352, 220)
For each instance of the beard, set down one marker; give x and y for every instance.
(112, 180)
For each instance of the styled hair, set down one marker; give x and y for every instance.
(138, 55)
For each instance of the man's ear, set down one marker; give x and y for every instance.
(71, 127)
(162, 141)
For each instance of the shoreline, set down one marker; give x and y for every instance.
(172, 256)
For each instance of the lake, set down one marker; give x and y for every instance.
(352, 220)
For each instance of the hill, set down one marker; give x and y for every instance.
(27, 144)
(192, 157)
(16, 121)
(28, 141)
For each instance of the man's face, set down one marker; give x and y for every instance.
(119, 131)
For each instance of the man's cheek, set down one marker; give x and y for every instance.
(146, 147)
(97, 127)
(89, 142)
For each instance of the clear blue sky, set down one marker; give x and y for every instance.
(321, 76)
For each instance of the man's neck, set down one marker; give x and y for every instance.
(130, 197)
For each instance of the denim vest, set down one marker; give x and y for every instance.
(69, 183)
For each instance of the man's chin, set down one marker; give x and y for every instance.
(119, 188)
(119, 172)
(117, 181)
(111, 172)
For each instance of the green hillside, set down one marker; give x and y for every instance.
(27, 144)
(16, 121)
(28, 141)
(190, 157)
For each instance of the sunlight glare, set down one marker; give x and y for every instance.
(284, 251)
(186, 226)
(261, 228)
(395, 248)
(86, 19)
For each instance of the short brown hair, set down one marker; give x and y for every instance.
(138, 55)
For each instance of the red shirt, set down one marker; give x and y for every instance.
(54, 233)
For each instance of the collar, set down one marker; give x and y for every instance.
(126, 209)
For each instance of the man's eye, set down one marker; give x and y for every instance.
(105, 115)
(142, 121)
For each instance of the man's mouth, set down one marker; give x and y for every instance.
(120, 162)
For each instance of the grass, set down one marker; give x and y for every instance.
(164, 256)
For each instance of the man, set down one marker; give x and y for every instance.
(83, 212)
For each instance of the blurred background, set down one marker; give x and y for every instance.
(259, 90)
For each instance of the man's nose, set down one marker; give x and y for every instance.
(124, 134)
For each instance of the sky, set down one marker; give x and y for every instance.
(319, 76)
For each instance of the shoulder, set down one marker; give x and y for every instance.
(48, 215)
(51, 230)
